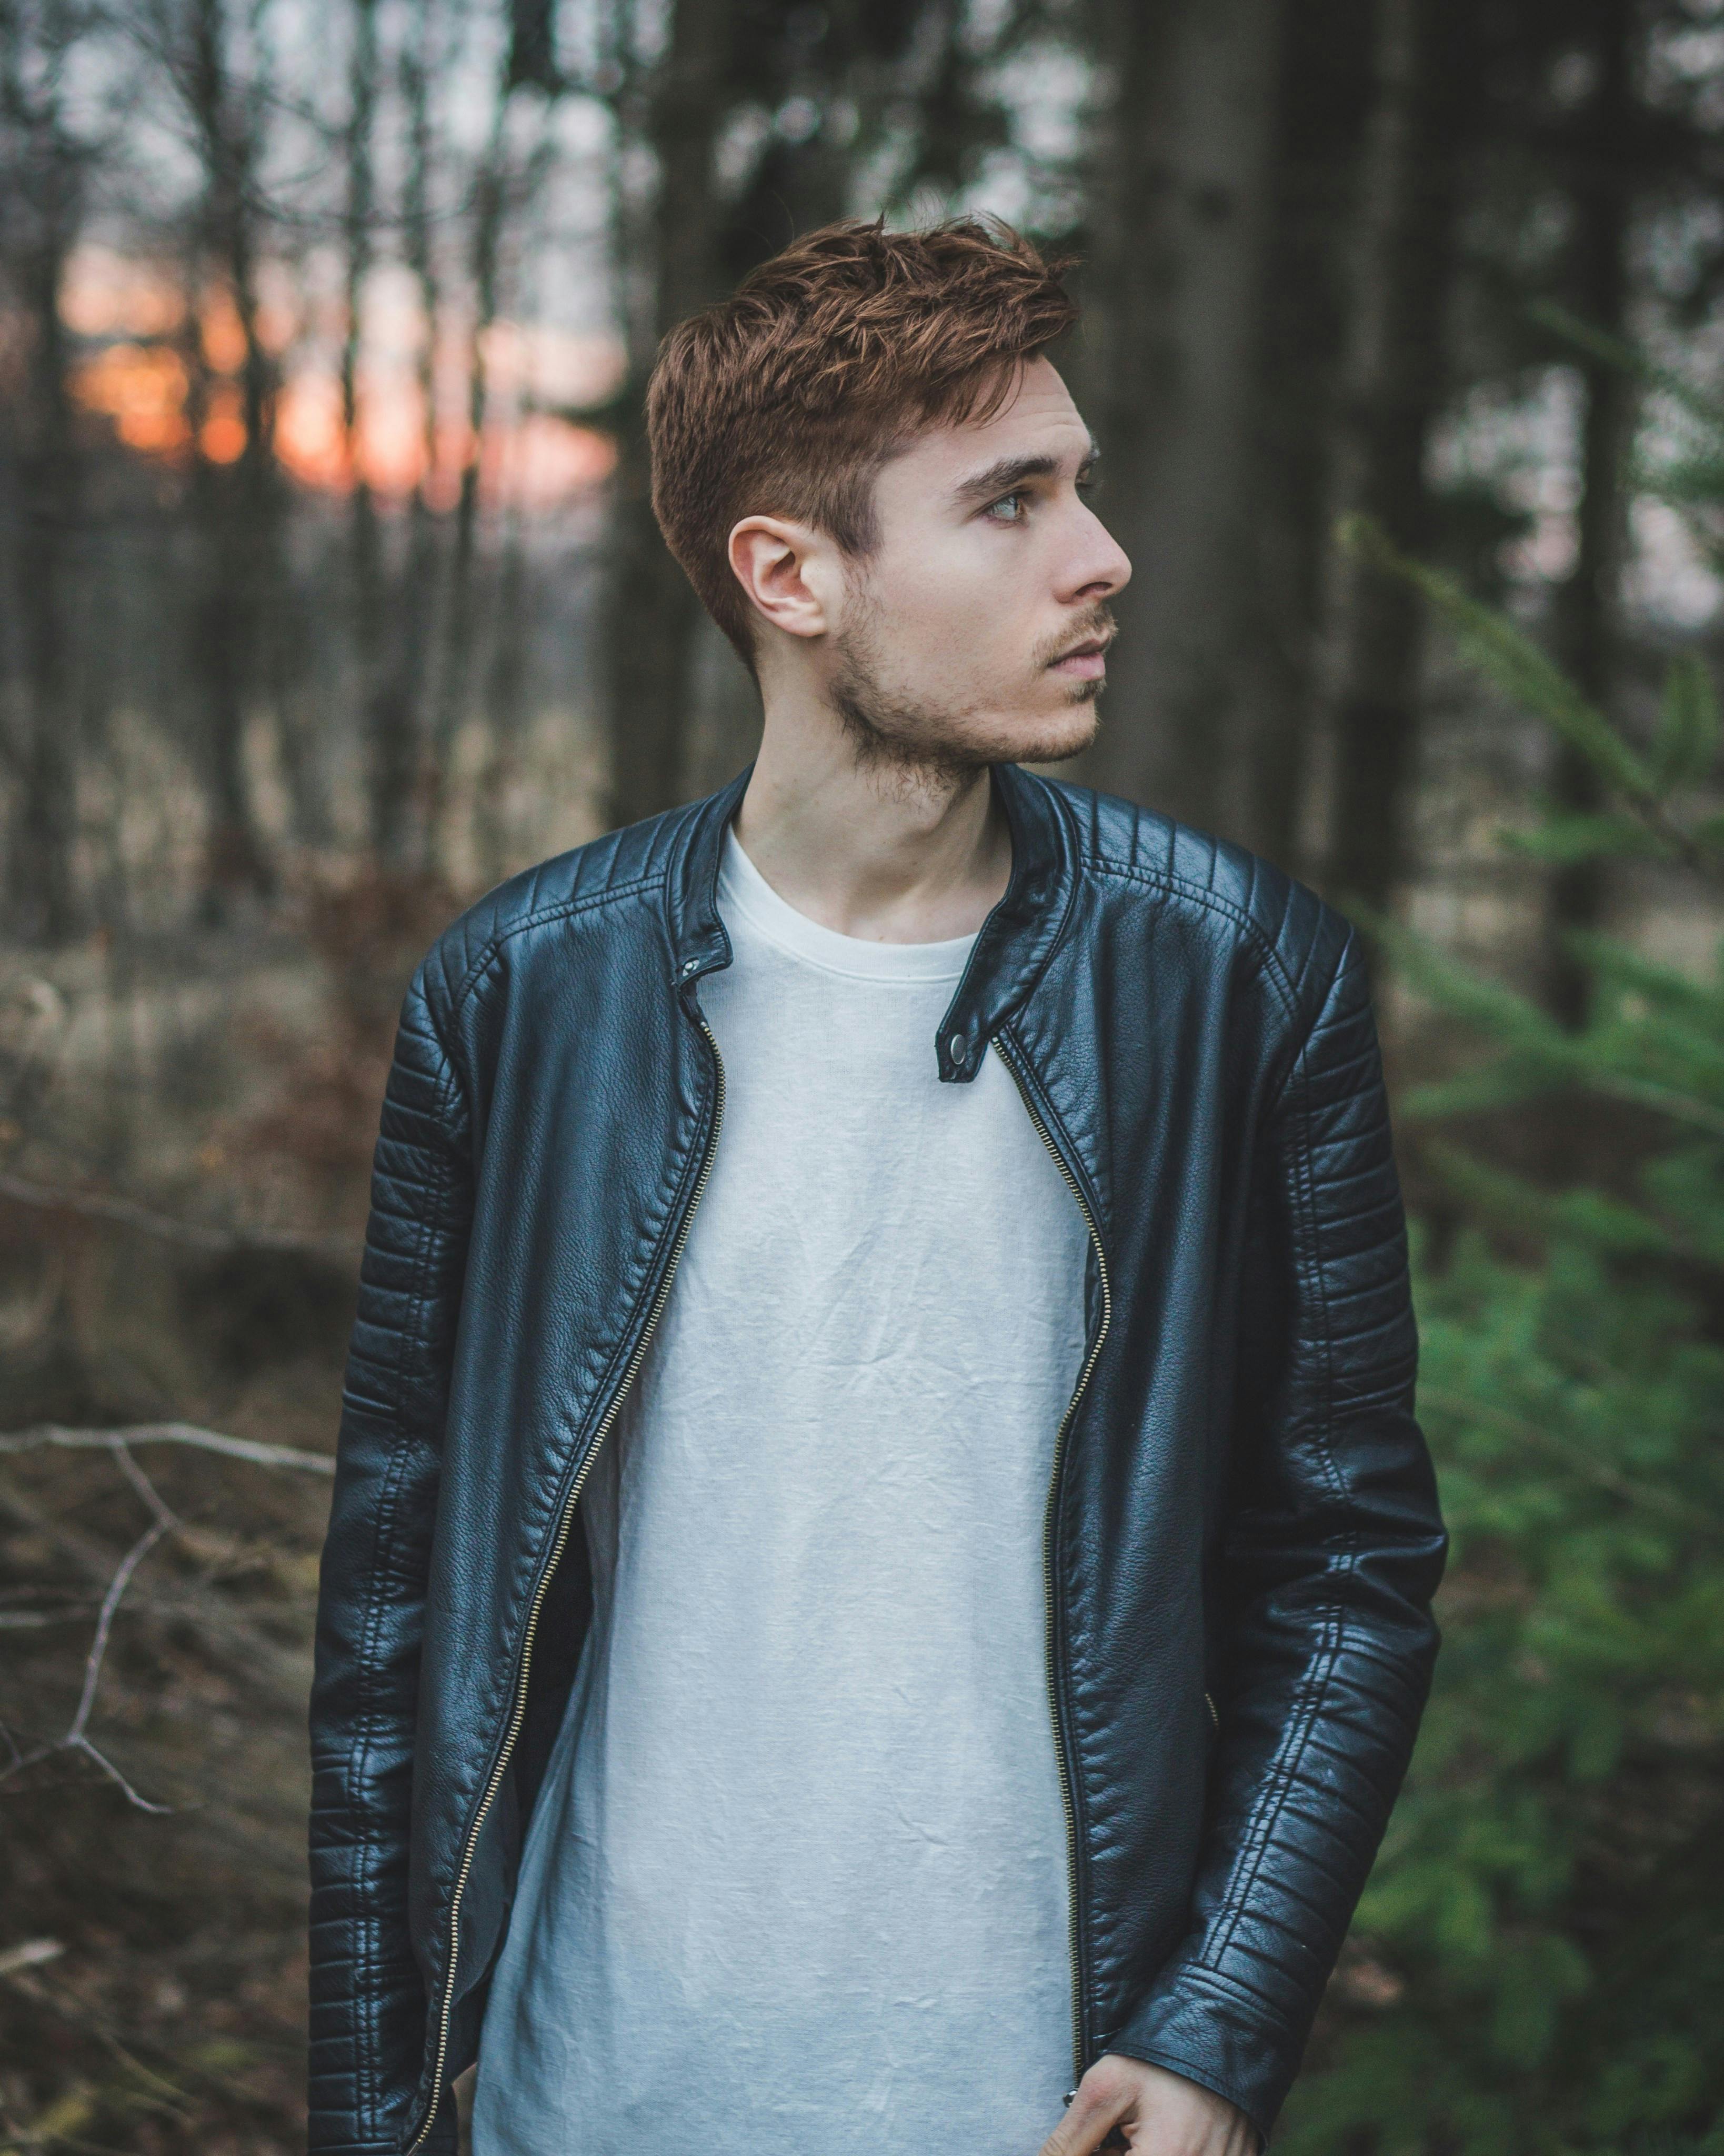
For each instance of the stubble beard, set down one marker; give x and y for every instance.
(925, 747)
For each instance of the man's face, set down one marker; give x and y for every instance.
(975, 632)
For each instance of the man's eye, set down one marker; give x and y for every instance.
(1006, 510)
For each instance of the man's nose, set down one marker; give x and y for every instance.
(1103, 566)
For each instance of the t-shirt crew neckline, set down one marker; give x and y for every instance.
(743, 889)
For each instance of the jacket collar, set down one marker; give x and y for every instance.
(1014, 944)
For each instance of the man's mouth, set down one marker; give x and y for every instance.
(1083, 662)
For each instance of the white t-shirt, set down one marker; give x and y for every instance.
(796, 1881)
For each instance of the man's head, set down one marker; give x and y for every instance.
(874, 480)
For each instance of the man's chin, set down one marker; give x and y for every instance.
(1054, 737)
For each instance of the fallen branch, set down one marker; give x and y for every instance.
(248, 1652)
(30, 1954)
(116, 1442)
(163, 1522)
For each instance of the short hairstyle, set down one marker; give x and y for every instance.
(788, 398)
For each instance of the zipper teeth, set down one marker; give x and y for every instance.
(1074, 1943)
(557, 1549)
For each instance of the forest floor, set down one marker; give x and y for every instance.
(152, 1950)
(153, 1961)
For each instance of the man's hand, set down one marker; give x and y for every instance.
(1151, 2112)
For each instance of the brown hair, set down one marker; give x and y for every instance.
(787, 399)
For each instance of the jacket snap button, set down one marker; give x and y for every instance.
(959, 1046)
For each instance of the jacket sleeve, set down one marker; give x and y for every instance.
(1333, 1546)
(368, 2003)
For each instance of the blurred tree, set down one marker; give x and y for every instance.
(236, 488)
(532, 47)
(1604, 156)
(389, 776)
(505, 179)
(1396, 374)
(401, 783)
(1322, 98)
(45, 180)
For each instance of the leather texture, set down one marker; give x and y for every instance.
(1243, 1513)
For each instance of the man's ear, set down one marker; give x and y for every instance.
(789, 572)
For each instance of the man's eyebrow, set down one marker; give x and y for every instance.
(1012, 471)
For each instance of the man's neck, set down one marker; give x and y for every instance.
(889, 852)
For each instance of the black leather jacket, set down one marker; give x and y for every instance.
(1243, 1536)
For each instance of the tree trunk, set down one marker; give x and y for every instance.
(651, 616)
(238, 501)
(455, 654)
(1323, 104)
(505, 697)
(42, 897)
(1588, 624)
(387, 799)
(401, 785)
(1167, 368)
(1426, 72)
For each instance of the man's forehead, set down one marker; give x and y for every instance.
(1039, 420)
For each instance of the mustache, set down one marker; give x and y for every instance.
(1095, 623)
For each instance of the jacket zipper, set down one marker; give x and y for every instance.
(563, 1527)
(1073, 1937)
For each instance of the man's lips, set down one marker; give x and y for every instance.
(1085, 662)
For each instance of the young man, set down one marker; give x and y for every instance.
(880, 1563)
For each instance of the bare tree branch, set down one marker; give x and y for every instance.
(249, 1652)
(259, 1654)
(190, 1234)
(76, 1739)
(29, 1954)
(47, 1435)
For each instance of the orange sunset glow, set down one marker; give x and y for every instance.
(140, 383)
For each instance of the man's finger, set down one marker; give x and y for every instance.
(1094, 2112)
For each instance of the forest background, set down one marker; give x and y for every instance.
(330, 595)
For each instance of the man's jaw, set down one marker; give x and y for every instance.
(901, 747)
(943, 747)
(907, 745)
